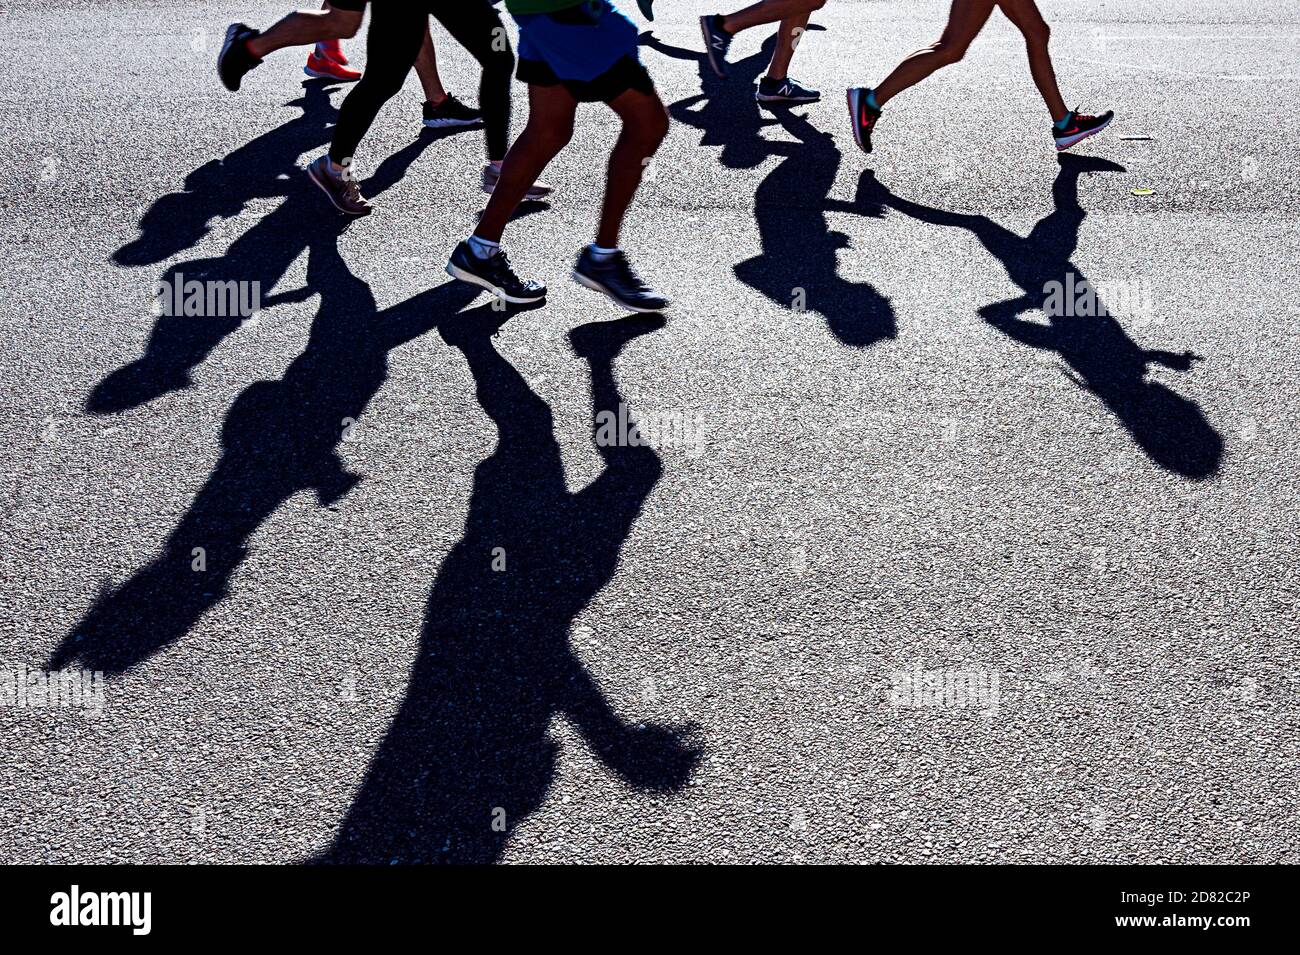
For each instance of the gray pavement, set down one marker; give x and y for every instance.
(927, 577)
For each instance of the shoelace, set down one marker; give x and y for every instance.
(352, 190)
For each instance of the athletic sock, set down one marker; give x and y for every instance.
(601, 254)
(1064, 121)
(482, 248)
(871, 100)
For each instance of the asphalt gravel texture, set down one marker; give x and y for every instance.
(913, 572)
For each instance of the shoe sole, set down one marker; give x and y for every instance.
(456, 272)
(314, 176)
(787, 99)
(533, 195)
(221, 57)
(597, 287)
(1063, 144)
(853, 118)
(444, 123)
(318, 75)
(719, 68)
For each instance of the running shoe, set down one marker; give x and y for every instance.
(863, 115)
(234, 60)
(450, 112)
(614, 276)
(717, 42)
(491, 175)
(343, 191)
(494, 274)
(323, 68)
(333, 50)
(1078, 127)
(784, 91)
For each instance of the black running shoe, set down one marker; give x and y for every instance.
(450, 112)
(784, 91)
(234, 60)
(1078, 127)
(614, 277)
(494, 274)
(717, 42)
(863, 116)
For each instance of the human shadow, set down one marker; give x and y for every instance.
(279, 438)
(468, 755)
(1170, 429)
(265, 167)
(798, 266)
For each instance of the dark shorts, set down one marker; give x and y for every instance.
(590, 49)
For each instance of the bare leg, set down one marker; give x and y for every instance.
(965, 20)
(645, 124)
(550, 124)
(787, 38)
(767, 11)
(304, 28)
(426, 68)
(1025, 15)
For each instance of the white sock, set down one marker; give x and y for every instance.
(482, 248)
(601, 254)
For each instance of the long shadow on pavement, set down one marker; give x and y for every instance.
(797, 267)
(279, 438)
(264, 167)
(468, 755)
(1170, 429)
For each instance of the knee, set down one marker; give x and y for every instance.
(1038, 33)
(552, 137)
(949, 51)
(657, 127)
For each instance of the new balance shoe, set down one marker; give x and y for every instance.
(1078, 127)
(342, 191)
(323, 68)
(863, 116)
(717, 42)
(784, 91)
(494, 274)
(450, 112)
(613, 275)
(234, 60)
(492, 175)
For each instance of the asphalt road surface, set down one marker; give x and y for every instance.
(912, 572)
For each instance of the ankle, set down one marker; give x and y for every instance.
(436, 101)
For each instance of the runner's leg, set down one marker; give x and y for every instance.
(550, 125)
(305, 27)
(476, 26)
(645, 124)
(1026, 16)
(392, 45)
(965, 20)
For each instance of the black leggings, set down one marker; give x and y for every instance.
(393, 43)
